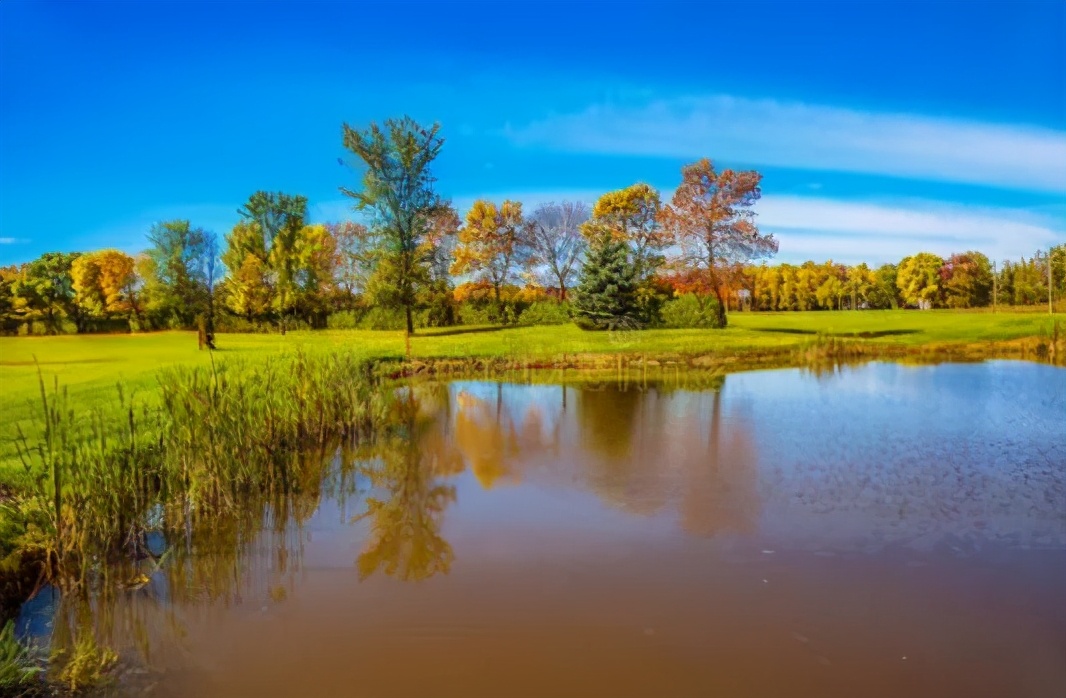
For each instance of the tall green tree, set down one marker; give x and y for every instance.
(884, 292)
(606, 294)
(397, 189)
(248, 291)
(8, 317)
(45, 292)
(279, 218)
(176, 278)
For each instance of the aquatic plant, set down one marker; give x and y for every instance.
(17, 666)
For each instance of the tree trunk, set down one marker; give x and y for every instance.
(410, 320)
(720, 310)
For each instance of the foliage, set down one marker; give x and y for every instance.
(178, 272)
(631, 215)
(967, 280)
(711, 218)
(248, 291)
(494, 245)
(88, 663)
(105, 285)
(354, 262)
(919, 280)
(278, 219)
(17, 667)
(398, 190)
(44, 291)
(690, 310)
(606, 295)
(545, 313)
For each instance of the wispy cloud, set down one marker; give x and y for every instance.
(11, 241)
(815, 137)
(811, 227)
(849, 231)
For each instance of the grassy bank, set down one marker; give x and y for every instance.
(90, 367)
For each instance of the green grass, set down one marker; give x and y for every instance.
(91, 366)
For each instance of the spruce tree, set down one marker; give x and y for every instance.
(606, 294)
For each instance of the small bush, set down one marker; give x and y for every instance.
(378, 318)
(545, 313)
(344, 320)
(224, 322)
(688, 311)
(475, 314)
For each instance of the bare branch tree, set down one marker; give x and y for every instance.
(557, 242)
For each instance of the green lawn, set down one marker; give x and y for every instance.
(91, 366)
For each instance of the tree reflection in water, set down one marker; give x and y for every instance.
(407, 505)
(646, 450)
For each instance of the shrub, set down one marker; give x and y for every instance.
(379, 318)
(545, 313)
(690, 310)
(344, 320)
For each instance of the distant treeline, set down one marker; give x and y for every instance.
(174, 282)
(629, 260)
(924, 280)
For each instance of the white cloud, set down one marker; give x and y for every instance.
(816, 137)
(848, 231)
(9, 241)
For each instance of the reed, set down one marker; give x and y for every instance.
(219, 443)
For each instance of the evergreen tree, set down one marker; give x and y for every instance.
(606, 295)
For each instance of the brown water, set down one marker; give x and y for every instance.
(881, 531)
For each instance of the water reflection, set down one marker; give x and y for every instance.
(468, 480)
(406, 506)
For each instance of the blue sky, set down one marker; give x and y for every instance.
(882, 129)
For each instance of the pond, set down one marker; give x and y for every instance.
(878, 530)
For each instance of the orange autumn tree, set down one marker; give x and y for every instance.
(712, 220)
(493, 245)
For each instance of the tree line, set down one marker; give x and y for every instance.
(924, 280)
(630, 259)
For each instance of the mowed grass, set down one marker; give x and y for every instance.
(90, 367)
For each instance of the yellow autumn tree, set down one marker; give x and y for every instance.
(631, 215)
(105, 283)
(493, 245)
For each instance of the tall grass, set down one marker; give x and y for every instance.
(221, 441)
